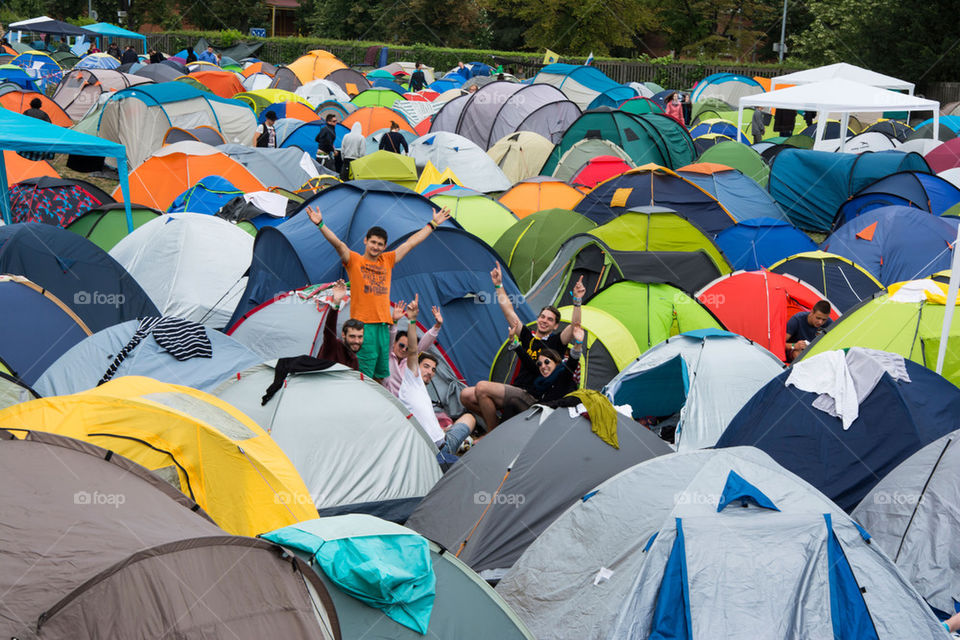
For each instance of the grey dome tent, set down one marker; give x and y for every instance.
(711, 544)
(95, 546)
(913, 515)
(507, 489)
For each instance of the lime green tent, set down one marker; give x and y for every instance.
(376, 97)
(896, 321)
(609, 347)
(529, 246)
(653, 312)
(107, 225)
(800, 141)
(741, 157)
(385, 165)
(193, 82)
(260, 99)
(645, 244)
(485, 218)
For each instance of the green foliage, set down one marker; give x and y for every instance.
(226, 14)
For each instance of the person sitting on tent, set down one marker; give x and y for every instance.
(353, 146)
(36, 110)
(155, 56)
(325, 141)
(418, 371)
(114, 50)
(207, 56)
(417, 79)
(266, 133)
(191, 56)
(345, 351)
(393, 140)
(129, 56)
(674, 108)
(370, 283)
(399, 351)
(557, 376)
(487, 398)
(804, 327)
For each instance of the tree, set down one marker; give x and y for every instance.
(225, 14)
(348, 20)
(714, 27)
(444, 23)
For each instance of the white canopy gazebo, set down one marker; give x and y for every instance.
(843, 71)
(838, 96)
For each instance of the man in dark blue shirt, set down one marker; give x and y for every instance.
(803, 328)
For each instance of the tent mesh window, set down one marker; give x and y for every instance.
(204, 411)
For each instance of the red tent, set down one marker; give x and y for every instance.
(946, 156)
(599, 169)
(757, 305)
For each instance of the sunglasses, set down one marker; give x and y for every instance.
(543, 363)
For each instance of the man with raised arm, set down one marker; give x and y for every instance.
(369, 274)
(487, 398)
(342, 351)
(399, 352)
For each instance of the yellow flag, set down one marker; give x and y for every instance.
(550, 57)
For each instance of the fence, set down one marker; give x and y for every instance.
(943, 91)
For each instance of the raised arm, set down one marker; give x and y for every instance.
(430, 335)
(503, 299)
(578, 292)
(413, 354)
(316, 217)
(439, 217)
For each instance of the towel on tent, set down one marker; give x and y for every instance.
(602, 415)
(181, 338)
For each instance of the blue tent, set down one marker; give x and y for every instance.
(844, 283)
(590, 77)
(383, 83)
(896, 243)
(758, 243)
(23, 133)
(206, 196)
(909, 188)
(613, 97)
(454, 81)
(811, 185)
(721, 127)
(84, 276)
(19, 77)
(479, 69)
(950, 122)
(97, 61)
(720, 78)
(739, 194)
(896, 419)
(305, 136)
(111, 31)
(43, 68)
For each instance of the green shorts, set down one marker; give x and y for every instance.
(375, 350)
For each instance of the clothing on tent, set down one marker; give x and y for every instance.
(286, 366)
(602, 415)
(180, 338)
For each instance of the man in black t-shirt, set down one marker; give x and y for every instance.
(487, 398)
(803, 328)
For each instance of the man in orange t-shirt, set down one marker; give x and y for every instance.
(369, 276)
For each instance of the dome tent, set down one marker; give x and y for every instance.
(739, 194)
(844, 283)
(106, 225)
(910, 188)
(758, 243)
(795, 552)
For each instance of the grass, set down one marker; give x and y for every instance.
(60, 166)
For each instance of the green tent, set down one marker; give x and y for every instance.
(529, 246)
(105, 226)
(376, 97)
(485, 218)
(640, 105)
(653, 312)
(909, 327)
(193, 82)
(385, 165)
(582, 152)
(741, 157)
(645, 244)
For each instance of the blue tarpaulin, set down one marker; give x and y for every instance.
(111, 31)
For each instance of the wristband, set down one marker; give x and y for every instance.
(320, 225)
(498, 286)
(578, 342)
(433, 225)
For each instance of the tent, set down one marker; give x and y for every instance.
(17, 100)
(652, 185)
(728, 87)
(758, 304)
(315, 64)
(756, 542)
(54, 201)
(366, 455)
(704, 376)
(13, 391)
(287, 168)
(500, 108)
(738, 156)
(374, 139)
(261, 99)
(528, 246)
(758, 243)
(742, 196)
(221, 83)
(83, 276)
(41, 66)
(113, 532)
(844, 71)
(896, 243)
(913, 189)
(97, 61)
(110, 31)
(468, 161)
(580, 83)
(320, 90)
(350, 80)
(106, 225)
(18, 76)
(208, 195)
(374, 118)
(80, 90)
(520, 155)
(810, 186)
(19, 168)
(845, 463)
(537, 194)
(485, 218)
(909, 513)
(303, 135)
(585, 151)
(187, 437)
(944, 156)
(599, 169)
(520, 495)
(463, 606)
(844, 283)
(205, 282)
(38, 328)
(385, 165)
(376, 97)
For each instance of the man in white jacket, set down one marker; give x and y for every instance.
(354, 146)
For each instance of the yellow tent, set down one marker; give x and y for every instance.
(315, 64)
(432, 176)
(203, 446)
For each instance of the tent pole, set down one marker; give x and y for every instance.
(936, 123)
(125, 189)
(740, 117)
(821, 127)
(5, 200)
(844, 122)
(951, 304)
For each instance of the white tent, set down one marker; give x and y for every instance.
(843, 71)
(838, 96)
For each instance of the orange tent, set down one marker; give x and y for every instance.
(537, 194)
(19, 101)
(374, 118)
(423, 128)
(19, 168)
(314, 65)
(300, 111)
(177, 167)
(259, 67)
(222, 83)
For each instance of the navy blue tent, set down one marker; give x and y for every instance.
(758, 243)
(383, 83)
(896, 420)
(81, 274)
(909, 188)
(845, 283)
(811, 185)
(305, 136)
(896, 243)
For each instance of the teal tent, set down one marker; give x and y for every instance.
(111, 31)
(23, 133)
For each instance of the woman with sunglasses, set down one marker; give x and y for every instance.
(557, 375)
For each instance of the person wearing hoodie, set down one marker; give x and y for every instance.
(353, 146)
